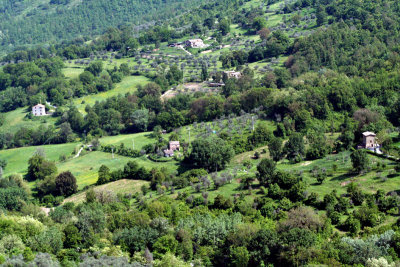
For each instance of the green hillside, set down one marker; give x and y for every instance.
(48, 21)
(232, 133)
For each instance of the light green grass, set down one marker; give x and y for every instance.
(128, 85)
(17, 158)
(85, 167)
(72, 72)
(123, 186)
(138, 140)
(15, 120)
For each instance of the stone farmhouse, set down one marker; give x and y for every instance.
(39, 110)
(233, 74)
(174, 145)
(369, 142)
(195, 43)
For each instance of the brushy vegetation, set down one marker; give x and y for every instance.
(270, 168)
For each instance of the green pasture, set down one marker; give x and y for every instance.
(127, 85)
(85, 167)
(136, 141)
(123, 186)
(72, 72)
(15, 120)
(17, 158)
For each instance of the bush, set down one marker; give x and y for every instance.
(12, 198)
(66, 184)
(212, 153)
(360, 161)
(155, 158)
(352, 225)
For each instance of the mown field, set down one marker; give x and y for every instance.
(127, 85)
(84, 167)
(15, 120)
(135, 141)
(17, 158)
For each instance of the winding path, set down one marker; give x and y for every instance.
(79, 152)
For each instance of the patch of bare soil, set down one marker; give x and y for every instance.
(187, 87)
(342, 184)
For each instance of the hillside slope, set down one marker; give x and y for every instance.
(43, 21)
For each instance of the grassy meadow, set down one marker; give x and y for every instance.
(16, 119)
(84, 167)
(127, 85)
(17, 158)
(123, 186)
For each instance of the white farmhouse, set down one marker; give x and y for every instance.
(39, 110)
(195, 43)
(233, 74)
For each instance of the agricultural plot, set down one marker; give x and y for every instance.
(231, 125)
(337, 166)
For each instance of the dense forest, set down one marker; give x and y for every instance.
(37, 22)
(273, 166)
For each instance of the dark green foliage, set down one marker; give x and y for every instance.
(224, 26)
(266, 171)
(360, 161)
(104, 175)
(355, 193)
(136, 238)
(66, 184)
(95, 68)
(275, 148)
(45, 23)
(211, 153)
(72, 236)
(260, 136)
(12, 198)
(164, 245)
(39, 168)
(294, 148)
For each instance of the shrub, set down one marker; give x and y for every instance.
(66, 184)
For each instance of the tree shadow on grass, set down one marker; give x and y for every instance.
(316, 184)
(182, 167)
(343, 177)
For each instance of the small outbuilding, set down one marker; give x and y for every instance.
(168, 153)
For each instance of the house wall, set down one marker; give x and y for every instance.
(38, 111)
(369, 141)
